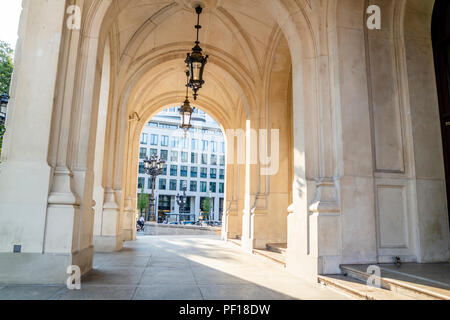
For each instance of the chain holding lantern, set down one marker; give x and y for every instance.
(196, 61)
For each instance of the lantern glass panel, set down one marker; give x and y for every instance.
(187, 118)
(196, 69)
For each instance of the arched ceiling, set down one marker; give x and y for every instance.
(243, 29)
(150, 39)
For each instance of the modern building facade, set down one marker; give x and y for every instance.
(353, 117)
(195, 166)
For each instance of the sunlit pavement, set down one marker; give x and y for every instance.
(180, 268)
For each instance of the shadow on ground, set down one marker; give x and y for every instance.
(179, 268)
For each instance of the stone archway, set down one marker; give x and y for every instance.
(360, 173)
(77, 79)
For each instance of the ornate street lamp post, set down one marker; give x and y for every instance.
(3, 108)
(154, 167)
(196, 61)
(181, 201)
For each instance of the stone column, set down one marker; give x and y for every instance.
(255, 203)
(314, 221)
(129, 181)
(235, 189)
(110, 239)
(107, 233)
(41, 227)
(129, 229)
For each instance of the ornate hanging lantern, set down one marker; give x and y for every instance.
(186, 110)
(196, 61)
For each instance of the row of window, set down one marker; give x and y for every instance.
(194, 173)
(183, 185)
(183, 143)
(157, 125)
(176, 156)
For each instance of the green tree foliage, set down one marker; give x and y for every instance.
(143, 201)
(6, 67)
(206, 204)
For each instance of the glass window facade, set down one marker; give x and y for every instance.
(153, 152)
(204, 159)
(165, 155)
(175, 142)
(213, 160)
(203, 186)
(193, 186)
(143, 153)
(194, 144)
(164, 141)
(195, 164)
(184, 171)
(205, 146)
(162, 184)
(144, 138)
(141, 183)
(173, 185)
(184, 143)
(174, 156)
(154, 139)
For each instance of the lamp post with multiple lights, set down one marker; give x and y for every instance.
(154, 167)
(182, 201)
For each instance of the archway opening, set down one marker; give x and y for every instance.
(191, 188)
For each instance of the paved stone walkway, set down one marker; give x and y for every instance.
(180, 268)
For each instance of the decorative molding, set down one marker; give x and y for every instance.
(326, 200)
(62, 193)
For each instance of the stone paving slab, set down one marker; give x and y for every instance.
(29, 292)
(97, 293)
(169, 292)
(180, 268)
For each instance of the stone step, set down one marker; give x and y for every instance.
(277, 247)
(273, 256)
(358, 289)
(401, 283)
